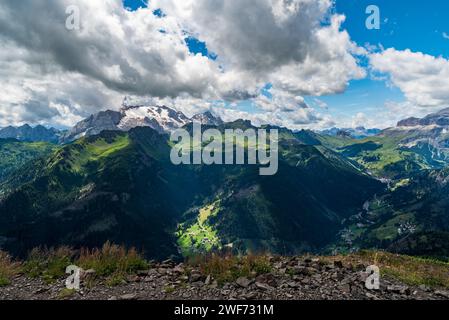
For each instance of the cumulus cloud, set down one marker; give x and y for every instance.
(280, 100)
(285, 42)
(321, 104)
(52, 75)
(116, 52)
(124, 50)
(421, 77)
(256, 35)
(384, 116)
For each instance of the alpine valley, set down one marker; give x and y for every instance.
(110, 178)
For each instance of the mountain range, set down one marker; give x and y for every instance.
(160, 118)
(356, 133)
(110, 178)
(30, 134)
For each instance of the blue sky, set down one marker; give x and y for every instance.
(405, 25)
(134, 4)
(413, 24)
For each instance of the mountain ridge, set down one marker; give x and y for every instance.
(440, 118)
(28, 133)
(119, 185)
(160, 118)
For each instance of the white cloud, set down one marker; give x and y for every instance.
(277, 41)
(384, 116)
(421, 77)
(52, 75)
(321, 104)
(116, 52)
(280, 100)
(359, 120)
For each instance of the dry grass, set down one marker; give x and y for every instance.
(112, 261)
(410, 270)
(8, 268)
(227, 268)
(48, 263)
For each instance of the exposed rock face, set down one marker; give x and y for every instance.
(95, 124)
(207, 118)
(410, 122)
(30, 134)
(440, 118)
(427, 137)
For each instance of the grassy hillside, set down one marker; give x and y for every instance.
(14, 154)
(122, 187)
(412, 217)
(381, 155)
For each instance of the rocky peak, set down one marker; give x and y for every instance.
(440, 118)
(207, 118)
(95, 124)
(409, 122)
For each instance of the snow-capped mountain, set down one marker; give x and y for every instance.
(160, 118)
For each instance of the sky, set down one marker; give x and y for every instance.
(405, 25)
(294, 63)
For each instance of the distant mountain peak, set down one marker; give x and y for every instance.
(355, 133)
(28, 133)
(207, 118)
(443, 112)
(440, 118)
(160, 118)
(138, 113)
(409, 122)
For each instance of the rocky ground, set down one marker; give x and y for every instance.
(290, 279)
